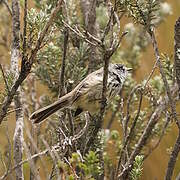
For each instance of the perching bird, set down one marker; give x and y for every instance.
(86, 96)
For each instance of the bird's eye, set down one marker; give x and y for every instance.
(119, 66)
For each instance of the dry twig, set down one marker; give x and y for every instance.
(26, 65)
(4, 78)
(176, 148)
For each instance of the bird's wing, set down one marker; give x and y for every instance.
(90, 86)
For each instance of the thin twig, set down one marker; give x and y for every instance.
(126, 121)
(150, 75)
(25, 68)
(109, 24)
(78, 33)
(157, 55)
(107, 53)
(7, 5)
(33, 143)
(4, 78)
(33, 168)
(9, 150)
(53, 154)
(44, 31)
(160, 138)
(52, 173)
(114, 114)
(129, 136)
(147, 131)
(173, 158)
(14, 110)
(23, 162)
(69, 164)
(176, 148)
(82, 131)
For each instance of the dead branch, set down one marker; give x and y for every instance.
(26, 66)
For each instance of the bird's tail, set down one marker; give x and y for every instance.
(41, 114)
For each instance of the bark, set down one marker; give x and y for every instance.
(34, 129)
(176, 148)
(18, 134)
(177, 52)
(173, 159)
(89, 15)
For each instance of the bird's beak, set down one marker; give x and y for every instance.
(129, 69)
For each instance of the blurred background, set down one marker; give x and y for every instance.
(155, 165)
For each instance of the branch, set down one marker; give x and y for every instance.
(26, 65)
(177, 52)
(176, 149)
(23, 162)
(147, 131)
(127, 137)
(89, 15)
(35, 149)
(126, 121)
(33, 168)
(15, 54)
(62, 70)
(173, 159)
(107, 53)
(159, 64)
(24, 32)
(168, 118)
(7, 5)
(4, 78)
(82, 131)
(118, 108)
(150, 75)
(54, 155)
(99, 122)
(44, 32)
(81, 35)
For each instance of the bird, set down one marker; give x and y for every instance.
(87, 95)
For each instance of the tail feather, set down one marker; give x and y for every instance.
(41, 114)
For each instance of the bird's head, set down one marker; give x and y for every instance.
(120, 70)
